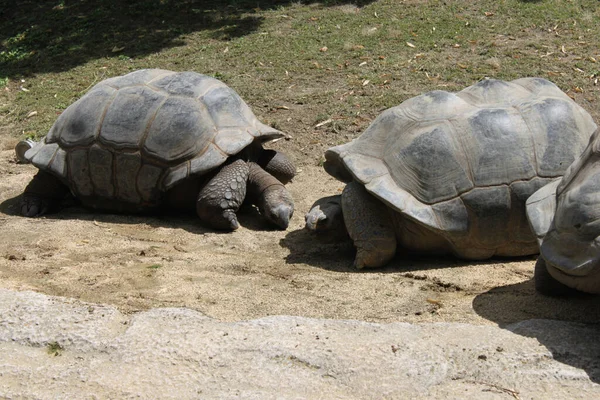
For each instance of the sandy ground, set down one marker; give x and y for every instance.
(137, 263)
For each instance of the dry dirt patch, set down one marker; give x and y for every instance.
(137, 262)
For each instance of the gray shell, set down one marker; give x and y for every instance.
(131, 137)
(462, 164)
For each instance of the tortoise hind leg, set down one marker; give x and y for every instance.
(45, 193)
(223, 195)
(369, 225)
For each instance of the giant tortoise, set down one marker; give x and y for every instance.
(565, 215)
(155, 138)
(450, 172)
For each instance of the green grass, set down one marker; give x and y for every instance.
(273, 53)
(54, 349)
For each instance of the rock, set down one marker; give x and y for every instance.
(175, 353)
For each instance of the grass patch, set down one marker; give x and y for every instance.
(54, 349)
(339, 60)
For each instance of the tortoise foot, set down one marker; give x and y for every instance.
(35, 206)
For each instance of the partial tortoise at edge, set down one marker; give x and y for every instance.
(565, 216)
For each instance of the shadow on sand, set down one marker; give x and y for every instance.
(569, 327)
(336, 253)
(248, 217)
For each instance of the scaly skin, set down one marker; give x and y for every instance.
(223, 195)
(369, 225)
(278, 165)
(272, 198)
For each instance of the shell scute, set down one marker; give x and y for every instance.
(180, 130)
(79, 124)
(129, 116)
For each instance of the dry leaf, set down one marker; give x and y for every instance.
(489, 14)
(463, 66)
(362, 63)
(323, 49)
(226, 50)
(327, 121)
(456, 45)
(562, 48)
(366, 82)
(117, 49)
(592, 59)
(409, 44)
(434, 301)
(282, 107)
(31, 114)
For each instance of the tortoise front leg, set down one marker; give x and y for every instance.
(223, 195)
(45, 193)
(369, 225)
